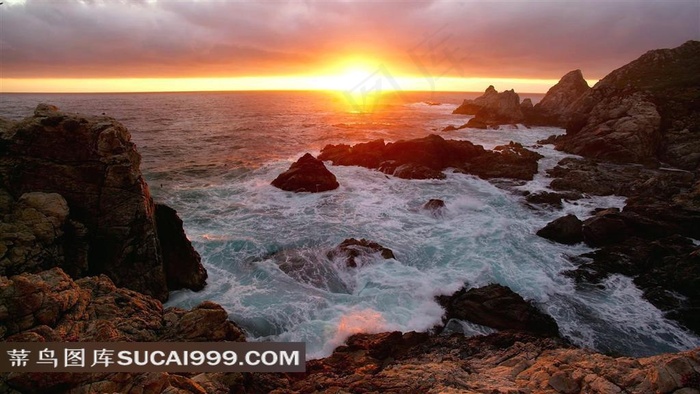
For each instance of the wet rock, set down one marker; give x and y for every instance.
(566, 230)
(550, 198)
(603, 178)
(414, 171)
(604, 228)
(435, 207)
(353, 250)
(307, 174)
(497, 307)
(427, 157)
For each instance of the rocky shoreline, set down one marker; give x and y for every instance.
(86, 254)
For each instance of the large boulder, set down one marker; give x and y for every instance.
(498, 307)
(643, 112)
(555, 106)
(307, 174)
(427, 157)
(91, 162)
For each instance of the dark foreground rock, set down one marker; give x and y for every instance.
(498, 307)
(504, 362)
(644, 112)
(435, 207)
(307, 174)
(427, 157)
(90, 162)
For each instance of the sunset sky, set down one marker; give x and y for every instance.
(161, 45)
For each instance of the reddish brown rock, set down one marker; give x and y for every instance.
(307, 174)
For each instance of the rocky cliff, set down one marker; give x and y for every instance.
(643, 112)
(556, 106)
(94, 206)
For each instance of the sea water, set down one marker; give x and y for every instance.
(212, 156)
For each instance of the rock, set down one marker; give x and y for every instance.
(35, 235)
(414, 171)
(50, 306)
(566, 230)
(497, 307)
(471, 107)
(435, 206)
(182, 264)
(427, 157)
(549, 198)
(504, 362)
(556, 106)
(93, 165)
(604, 228)
(307, 174)
(493, 109)
(449, 128)
(662, 268)
(643, 112)
(526, 104)
(601, 178)
(353, 250)
(510, 161)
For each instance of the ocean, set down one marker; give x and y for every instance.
(212, 156)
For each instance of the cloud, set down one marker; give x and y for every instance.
(542, 39)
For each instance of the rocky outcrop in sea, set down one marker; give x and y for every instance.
(426, 158)
(307, 174)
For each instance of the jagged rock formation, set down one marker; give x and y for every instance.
(425, 158)
(50, 306)
(643, 112)
(492, 109)
(556, 106)
(471, 107)
(93, 165)
(306, 175)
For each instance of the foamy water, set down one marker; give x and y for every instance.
(213, 161)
